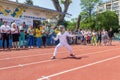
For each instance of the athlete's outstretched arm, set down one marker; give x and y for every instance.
(55, 38)
(70, 35)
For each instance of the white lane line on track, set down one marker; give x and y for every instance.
(37, 55)
(33, 63)
(77, 68)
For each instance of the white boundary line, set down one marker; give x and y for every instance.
(37, 55)
(77, 68)
(33, 63)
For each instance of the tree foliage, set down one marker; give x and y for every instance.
(88, 13)
(71, 25)
(88, 6)
(29, 2)
(88, 23)
(91, 20)
(107, 19)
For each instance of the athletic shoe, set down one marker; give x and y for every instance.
(53, 57)
(72, 55)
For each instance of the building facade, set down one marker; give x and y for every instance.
(113, 5)
(13, 11)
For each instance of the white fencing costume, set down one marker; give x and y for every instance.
(63, 41)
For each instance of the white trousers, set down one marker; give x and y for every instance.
(61, 45)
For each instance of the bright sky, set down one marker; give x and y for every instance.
(74, 8)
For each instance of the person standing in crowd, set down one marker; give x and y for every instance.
(25, 28)
(48, 40)
(62, 36)
(87, 37)
(74, 38)
(30, 32)
(83, 36)
(1, 23)
(15, 35)
(5, 30)
(90, 36)
(56, 32)
(99, 38)
(52, 33)
(21, 37)
(94, 38)
(38, 35)
(44, 36)
(79, 36)
(75, 32)
(70, 38)
(110, 34)
(105, 37)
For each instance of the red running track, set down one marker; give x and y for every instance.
(92, 63)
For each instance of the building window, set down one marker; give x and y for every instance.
(108, 7)
(115, 0)
(115, 7)
(101, 8)
(115, 4)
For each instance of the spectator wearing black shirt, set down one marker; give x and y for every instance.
(99, 39)
(1, 23)
(110, 34)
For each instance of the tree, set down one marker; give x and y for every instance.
(78, 22)
(88, 13)
(106, 20)
(29, 2)
(88, 23)
(66, 4)
(88, 6)
(71, 25)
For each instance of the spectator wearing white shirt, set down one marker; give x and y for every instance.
(105, 37)
(5, 30)
(15, 35)
(79, 36)
(83, 36)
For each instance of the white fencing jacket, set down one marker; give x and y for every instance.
(63, 37)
